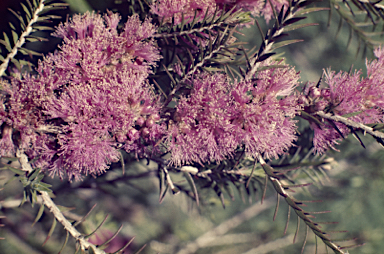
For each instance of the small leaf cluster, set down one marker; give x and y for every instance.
(33, 186)
(33, 20)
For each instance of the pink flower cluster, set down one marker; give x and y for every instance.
(359, 99)
(176, 8)
(217, 117)
(89, 99)
(92, 98)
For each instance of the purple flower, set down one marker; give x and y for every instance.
(217, 117)
(166, 9)
(348, 94)
(94, 93)
(265, 111)
(203, 130)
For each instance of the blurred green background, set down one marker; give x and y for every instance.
(354, 194)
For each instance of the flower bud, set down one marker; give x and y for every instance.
(133, 134)
(303, 100)
(325, 93)
(149, 122)
(321, 105)
(120, 137)
(155, 117)
(145, 131)
(140, 121)
(314, 92)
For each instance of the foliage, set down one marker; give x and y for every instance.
(171, 92)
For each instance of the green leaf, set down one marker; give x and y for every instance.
(26, 11)
(7, 46)
(307, 116)
(91, 250)
(29, 52)
(31, 6)
(265, 56)
(32, 175)
(212, 69)
(284, 43)
(16, 63)
(11, 180)
(46, 185)
(227, 14)
(17, 16)
(38, 178)
(293, 20)
(294, 27)
(35, 38)
(309, 10)
(30, 39)
(10, 158)
(34, 197)
(24, 198)
(230, 192)
(65, 5)
(42, 19)
(25, 63)
(15, 37)
(6, 39)
(12, 26)
(64, 208)
(15, 170)
(39, 214)
(192, 185)
(23, 26)
(65, 243)
(81, 6)
(50, 231)
(50, 8)
(162, 195)
(43, 28)
(47, 18)
(42, 188)
(97, 228)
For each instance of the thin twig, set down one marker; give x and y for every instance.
(48, 202)
(20, 42)
(350, 123)
(292, 202)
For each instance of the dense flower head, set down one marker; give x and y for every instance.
(94, 43)
(217, 117)
(90, 98)
(166, 9)
(203, 130)
(361, 99)
(265, 109)
(179, 9)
